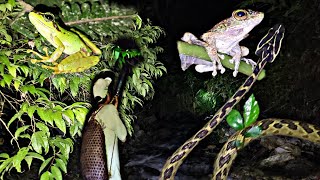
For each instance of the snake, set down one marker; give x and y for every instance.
(267, 49)
(271, 126)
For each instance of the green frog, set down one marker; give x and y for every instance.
(224, 37)
(75, 44)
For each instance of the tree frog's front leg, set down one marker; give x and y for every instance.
(213, 54)
(237, 53)
(53, 57)
(211, 50)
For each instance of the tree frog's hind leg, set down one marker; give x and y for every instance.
(245, 52)
(192, 39)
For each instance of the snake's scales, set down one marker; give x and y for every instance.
(269, 127)
(267, 49)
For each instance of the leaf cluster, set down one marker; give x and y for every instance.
(44, 113)
(251, 112)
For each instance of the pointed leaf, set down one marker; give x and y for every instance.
(60, 123)
(37, 141)
(235, 120)
(31, 110)
(20, 130)
(251, 111)
(60, 163)
(56, 172)
(28, 159)
(16, 160)
(46, 176)
(35, 155)
(45, 164)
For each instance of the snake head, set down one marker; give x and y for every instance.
(269, 46)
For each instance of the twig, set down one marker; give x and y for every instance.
(98, 19)
(4, 124)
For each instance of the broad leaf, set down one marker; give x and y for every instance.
(20, 130)
(56, 172)
(44, 164)
(251, 111)
(235, 120)
(60, 163)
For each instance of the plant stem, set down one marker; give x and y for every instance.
(98, 19)
(200, 53)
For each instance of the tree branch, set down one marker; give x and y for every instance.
(200, 53)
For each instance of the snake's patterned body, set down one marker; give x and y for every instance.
(267, 49)
(269, 127)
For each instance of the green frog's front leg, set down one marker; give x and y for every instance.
(53, 57)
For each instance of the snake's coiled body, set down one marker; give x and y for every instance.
(268, 48)
(93, 153)
(269, 127)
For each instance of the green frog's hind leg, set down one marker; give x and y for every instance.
(54, 68)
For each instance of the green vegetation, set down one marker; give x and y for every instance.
(43, 114)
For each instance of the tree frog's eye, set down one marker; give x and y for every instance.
(48, 17)
(240, 14)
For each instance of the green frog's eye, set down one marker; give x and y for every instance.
(48, 17)
(240, 14)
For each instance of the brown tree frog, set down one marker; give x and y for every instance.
(224, 37)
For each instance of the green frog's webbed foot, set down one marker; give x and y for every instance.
(42, 58)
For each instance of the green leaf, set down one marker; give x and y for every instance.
(31, 110)
(12, 70)
(74, 130)
(68, 115)
(253, 132)
(235, 120)
(42, 77)
(39, 140)
(7, 79)
(28, 159)
(4, 155)
(20, 130)
(251, 111)
(45, 115)
(16, 160)
(56, 172)
(25, 70)
(43, 128)
(36, 142)
(81, 114)
(46, 176)
(4, 60)
(58, 120)
(25, 136)
(61, 164)
(35, 155)
(74, 85)
(14, 117)
(6, 164)
(60, 83)
(16, 84)
(44, 164)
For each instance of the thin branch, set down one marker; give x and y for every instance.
(98, 19)
(4, 124)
